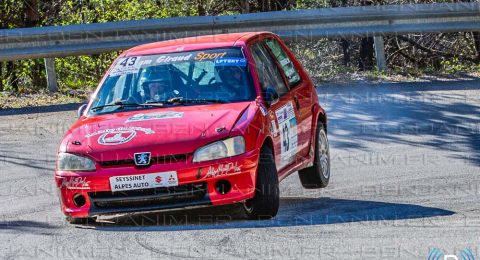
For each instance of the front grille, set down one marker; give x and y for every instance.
(165, 159)
(149, 197)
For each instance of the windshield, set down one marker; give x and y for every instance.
(206, 76)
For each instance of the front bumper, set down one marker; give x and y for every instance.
(197, 186)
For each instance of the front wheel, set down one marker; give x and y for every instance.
(267, 193)
(318, 175)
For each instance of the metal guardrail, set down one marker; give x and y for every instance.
(82, 39)
(58, 41)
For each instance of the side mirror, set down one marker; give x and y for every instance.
(81, 109)
(270, 96)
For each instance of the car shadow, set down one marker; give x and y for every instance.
(40, 109)
(27, 161)
(27, 226)
(293, 212)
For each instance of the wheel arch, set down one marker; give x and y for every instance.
(269, 142)
(319, 115)
(322, 118)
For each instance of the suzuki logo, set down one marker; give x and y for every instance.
(142, 159)
(158, 179)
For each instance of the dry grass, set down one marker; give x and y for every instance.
(12, 100)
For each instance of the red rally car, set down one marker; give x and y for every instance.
(200, 121)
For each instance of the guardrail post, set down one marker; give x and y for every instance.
(380, 52)
(51, 75)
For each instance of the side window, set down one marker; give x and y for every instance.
(267, 70)
(287, 65)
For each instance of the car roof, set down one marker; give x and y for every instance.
(193, 43)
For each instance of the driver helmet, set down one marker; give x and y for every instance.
(231, 75)
(156, 83)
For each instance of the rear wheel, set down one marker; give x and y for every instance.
(318, 175)
(82, 221)
(267, 193)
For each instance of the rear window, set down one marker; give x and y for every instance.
(286, 64)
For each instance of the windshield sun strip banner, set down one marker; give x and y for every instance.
(221, 57)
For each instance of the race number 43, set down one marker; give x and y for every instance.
(130, 61)
(127, 65)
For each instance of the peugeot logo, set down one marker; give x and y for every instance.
(142, 159)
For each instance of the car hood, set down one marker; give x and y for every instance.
(162, 131)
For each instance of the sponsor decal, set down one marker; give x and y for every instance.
(291, 73)
(155, 116)
(128, 65)
(122, 129)
(223, 169)
(242, 62)
(201, 56)
(119, 135)
(75, 183)
(173, 58)
(287, 126)
(145, 62)
(143, 181)
(273, 128)
(116, 138)
(263, 109)
(285, 61)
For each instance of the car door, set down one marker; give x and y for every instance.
(300, 90)
(282, 113)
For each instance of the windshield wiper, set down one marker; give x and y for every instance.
(182, 100)
(122, 104)
(154, 103)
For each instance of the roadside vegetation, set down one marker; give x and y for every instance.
(408, 56)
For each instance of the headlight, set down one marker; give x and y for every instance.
(72, 162)
(221, 149)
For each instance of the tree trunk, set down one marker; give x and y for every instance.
(30, 12)
(274, 5)
(366, 54)
(245, 6)
(366, 48)
(201, 8)
(1, 76)
(344, 42)
(31, 18)
(476, 40)
(2, 26)
(11, 71)
(346, 52)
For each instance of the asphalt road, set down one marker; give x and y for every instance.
(405, 180)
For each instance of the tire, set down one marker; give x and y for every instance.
(82, 221)
(318, 175)
(265, 203)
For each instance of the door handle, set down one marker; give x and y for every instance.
(297, 104)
